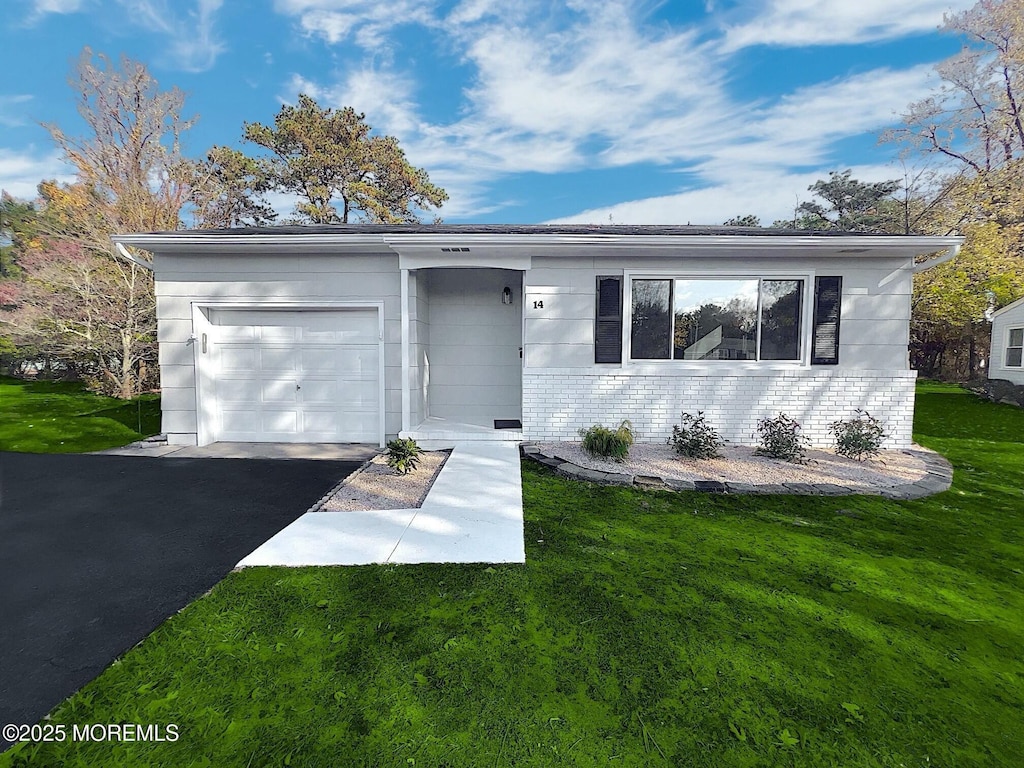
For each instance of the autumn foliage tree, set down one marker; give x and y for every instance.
(83, 301)
(974, 121)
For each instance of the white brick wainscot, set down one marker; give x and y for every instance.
(558, 401)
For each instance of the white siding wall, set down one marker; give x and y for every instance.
(473, 350)
(1013, 317)
(557, 402)
(182, 281)
(563, 389)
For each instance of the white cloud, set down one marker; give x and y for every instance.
(22, 170)
(594, 85)
(193, 43)
(42, 7)
(11, 115)
(367, 22)
(771, 195)
(830, 22)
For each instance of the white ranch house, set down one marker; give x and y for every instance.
(441, 332)
(1008, 343)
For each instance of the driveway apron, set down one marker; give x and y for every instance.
(97, 551)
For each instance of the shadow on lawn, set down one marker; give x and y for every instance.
(141, 415)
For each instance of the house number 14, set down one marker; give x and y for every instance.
(538, 305)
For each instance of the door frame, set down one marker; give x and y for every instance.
(201, 325)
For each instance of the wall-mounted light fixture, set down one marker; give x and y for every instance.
(506, 295)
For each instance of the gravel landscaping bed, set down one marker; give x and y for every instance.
(739, 464)
(376, 486)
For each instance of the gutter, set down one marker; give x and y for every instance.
(183, 239)
(949, 255)
(125, 254)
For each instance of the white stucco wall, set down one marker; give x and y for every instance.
(1011, 317)
(185, 280)
(474, 340)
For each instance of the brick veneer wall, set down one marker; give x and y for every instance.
(557, 402)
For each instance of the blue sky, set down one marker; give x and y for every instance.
(526, 112)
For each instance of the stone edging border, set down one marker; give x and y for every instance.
(938, 479)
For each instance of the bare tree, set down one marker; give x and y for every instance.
(131, 177)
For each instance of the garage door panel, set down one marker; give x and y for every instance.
(278, 360)
(354, 394)
(294, 376)
(237, 359)
(360, 426)
(236, 333)
(238, 420)
(238, 390)
(284, 420)
(279, 392)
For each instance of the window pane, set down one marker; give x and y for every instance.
(651, 330)
(1013, 357)
(1017, 337)
(780, 319)
(715, 319)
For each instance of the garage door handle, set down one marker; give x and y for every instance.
(298, 387)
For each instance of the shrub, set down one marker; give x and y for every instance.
(403, 455)
(695, 438)
(781, 439)
(859, 437)
(607, 443)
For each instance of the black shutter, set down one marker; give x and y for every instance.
(608, 325)
(828, 298)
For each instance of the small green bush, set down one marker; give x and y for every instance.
(781, 439)
(607, 443)
(403, 455)
(859, 437)
(695, 438)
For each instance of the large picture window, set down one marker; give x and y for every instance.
(716, 319)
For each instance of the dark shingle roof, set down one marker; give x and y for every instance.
(516, 229)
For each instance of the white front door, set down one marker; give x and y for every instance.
(291, 376)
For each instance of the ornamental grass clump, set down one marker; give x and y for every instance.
(859, 437)
(695, 438)
(607, 443)
(403, 455)
(781, 439)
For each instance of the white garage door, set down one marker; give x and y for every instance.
(309, 376)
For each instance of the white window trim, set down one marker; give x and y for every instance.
(806, 319)
(1007, 347)
(201, 324)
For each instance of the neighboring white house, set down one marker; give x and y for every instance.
(1008, 343)
(359, 333)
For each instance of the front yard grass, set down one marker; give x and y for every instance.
(646, 628)
(61, 417)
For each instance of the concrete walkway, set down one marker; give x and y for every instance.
(472, 514)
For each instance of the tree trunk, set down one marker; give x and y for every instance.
(127, 379)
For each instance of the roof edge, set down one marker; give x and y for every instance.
(925, 243)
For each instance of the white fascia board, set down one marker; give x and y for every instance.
(186, 242)
(1008, 307)
(863, 245)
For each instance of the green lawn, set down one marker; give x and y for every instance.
(646, 628)
(61, 417)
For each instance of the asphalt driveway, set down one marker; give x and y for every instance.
(97, 551)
